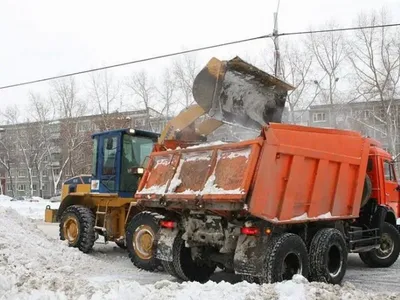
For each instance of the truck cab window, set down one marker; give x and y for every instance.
(389, 172)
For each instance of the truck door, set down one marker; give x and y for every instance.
(392, 193)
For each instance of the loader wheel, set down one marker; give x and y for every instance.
(388, 252)
(188, 269)
(77, 227)
(328, 256)
(285, 256)
(140, 240)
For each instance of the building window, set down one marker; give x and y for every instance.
(21, 173)
(9, 187)
(56, 172)
(21, 187)
(319, 117)
(34, 187)
(34, 173)
(140, 122)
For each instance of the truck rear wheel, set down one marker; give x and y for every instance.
(77, 227)
(286, 256)
(188, 269)
(169, 268)
(140, 240)
(388, 252)
(328, 256)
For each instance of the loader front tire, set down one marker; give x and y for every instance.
(77, 227)
(388, 252)
(328, 256)
(141, 240)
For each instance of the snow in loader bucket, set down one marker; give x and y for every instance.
(236, 92)
(213, 173)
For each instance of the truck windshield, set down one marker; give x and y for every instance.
(134, 152)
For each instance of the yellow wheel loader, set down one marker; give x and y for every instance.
(103, 203)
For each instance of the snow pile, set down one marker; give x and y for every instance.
(32, 210)
(5, 198)
(32, 266)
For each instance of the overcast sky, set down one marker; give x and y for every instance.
(45, 38)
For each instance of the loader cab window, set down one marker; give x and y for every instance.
(135, 149)
(110, 151)
(389, 171)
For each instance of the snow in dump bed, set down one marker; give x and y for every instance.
(33, 266)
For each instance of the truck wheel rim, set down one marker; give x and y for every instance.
(71, 229)
(143, 241)
(335, 261)
(291, 265)
(386, 248)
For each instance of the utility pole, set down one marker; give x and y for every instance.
(277, 68)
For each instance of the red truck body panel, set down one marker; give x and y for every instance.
(289, 174)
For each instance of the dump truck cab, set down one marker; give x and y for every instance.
(118, 159)
(385, 185)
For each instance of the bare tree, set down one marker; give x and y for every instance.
(143, 88)
(375, 57)
(7, 155)
(72, 134)
(185, 70)
(166, 92)
(25, 139)
(329, 51)
(105, 93)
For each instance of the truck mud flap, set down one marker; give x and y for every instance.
(165, 242)
(249, 255)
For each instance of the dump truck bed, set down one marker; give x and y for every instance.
(289, 174)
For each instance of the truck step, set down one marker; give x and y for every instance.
(100, 228)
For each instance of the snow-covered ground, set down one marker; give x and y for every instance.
(32, 210)
(34, 264)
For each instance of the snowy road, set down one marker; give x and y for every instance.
(376, 280)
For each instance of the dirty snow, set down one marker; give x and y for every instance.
(36, 266)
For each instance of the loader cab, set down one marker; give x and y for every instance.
(385, 180)
(119, 157)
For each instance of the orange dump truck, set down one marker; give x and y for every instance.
(295, 200)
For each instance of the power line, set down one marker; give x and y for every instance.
(193, 50)
(339, 29)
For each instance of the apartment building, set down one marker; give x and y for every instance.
(38, 157)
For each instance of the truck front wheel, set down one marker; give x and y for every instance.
(388, 252)
(140, 240)
(77, 227)
(328, 256)
(188, 269)
(286, 255)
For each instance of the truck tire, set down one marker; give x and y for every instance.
(328, 256)
(77, 227)
(367, 190)
(140, 240)
(285, 256)
(389, 250)
(186, 268)
(169, 268)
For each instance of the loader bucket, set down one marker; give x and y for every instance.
(236, 92)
